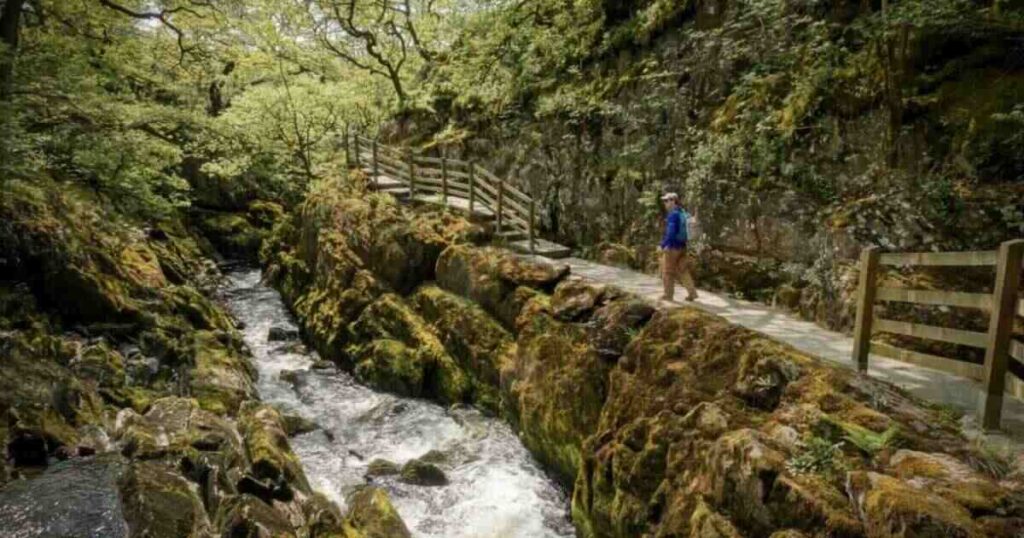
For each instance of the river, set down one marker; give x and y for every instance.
(496, 489)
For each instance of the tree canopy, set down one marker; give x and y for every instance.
(815, 106)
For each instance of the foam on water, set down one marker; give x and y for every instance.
(496, 489)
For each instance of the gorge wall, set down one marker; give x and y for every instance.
(799, 132)
(662, 423)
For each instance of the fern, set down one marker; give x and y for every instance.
(867, 441)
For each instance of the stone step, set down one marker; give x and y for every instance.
(458, 203)
(542, 247)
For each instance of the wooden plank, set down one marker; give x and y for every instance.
(381, 158)
(393, 171)
(510, 190)
(1000, 332)
(516, 207)
(1017, 350)
(935, 362)
(941, 298)
(959, 259)
(866, 290)
(941, 334)
(424, 160)
(1015, 387)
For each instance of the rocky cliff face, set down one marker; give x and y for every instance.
(667, 423)
(114, 357)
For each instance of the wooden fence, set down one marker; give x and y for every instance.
(446, 181)
(998, 342)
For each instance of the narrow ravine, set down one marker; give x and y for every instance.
(496, 489)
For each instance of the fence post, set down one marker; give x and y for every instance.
(1000, 327)
(376, 171)
(355, 140)
(348, 154)
(412, 174)
(472, 189)
(444, 180)
(533, 248)
(865, 306)
(500, 203)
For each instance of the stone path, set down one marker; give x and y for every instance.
(809, 338)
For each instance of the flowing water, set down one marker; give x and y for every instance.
(495, 487)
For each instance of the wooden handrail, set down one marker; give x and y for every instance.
(936, 298)
(513, 209)
(949, 259)
(1003, 304)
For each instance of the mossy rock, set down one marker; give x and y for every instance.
(952, 479)
(231, 233)
(553, 389)
(421, 358)
(160, 503)
(381, 467)
(474, 339)
(222, 377)
(891, 507)
(101, 364)
(266, 444)
(323, 519)
(246, 516)
(175, 425)
(422, 473)
(298, 425)
(493, 279)
(371, 515)
(199, 310)
(706, 523)
(391, 366)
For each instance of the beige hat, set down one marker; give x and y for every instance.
(670, 196)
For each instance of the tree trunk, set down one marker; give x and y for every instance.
(10, 26)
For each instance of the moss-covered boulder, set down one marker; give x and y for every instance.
(494, 279)
(270, 455)
(422, 473)
(382, 467)
(174, 425)
(231, 233)
(705, 420)
(553, 388)
(371, 515)
(222, 377)
(159, 502)
(476, 341)
(948, 477)
(246, 516)
(890, 507)
(403, 353)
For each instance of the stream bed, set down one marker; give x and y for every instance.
(496, 489)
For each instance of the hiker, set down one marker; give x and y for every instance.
(675, 262)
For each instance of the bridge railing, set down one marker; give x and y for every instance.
(1003, 304)
(513, 210)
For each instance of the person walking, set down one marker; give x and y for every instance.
(675, 263)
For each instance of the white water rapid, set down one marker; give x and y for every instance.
(496, 489)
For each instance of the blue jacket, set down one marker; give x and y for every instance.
(675, 230)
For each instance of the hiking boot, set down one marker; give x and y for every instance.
(691, 298)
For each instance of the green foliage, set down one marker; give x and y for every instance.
(867, 441)
(819, 456)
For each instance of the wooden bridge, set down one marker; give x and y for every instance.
(461, 185)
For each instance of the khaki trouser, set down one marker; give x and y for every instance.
(675, 265)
